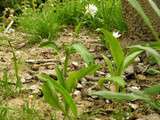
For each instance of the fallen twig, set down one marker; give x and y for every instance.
(32, 61)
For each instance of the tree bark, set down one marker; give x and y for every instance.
(137, 30)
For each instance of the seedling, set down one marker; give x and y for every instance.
(66, 82)
(121, 60)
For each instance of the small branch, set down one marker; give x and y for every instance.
(9, 26)
(32, 61)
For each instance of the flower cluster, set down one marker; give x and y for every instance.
(91, 9)
(116, 34)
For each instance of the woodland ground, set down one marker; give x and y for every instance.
(34, 60)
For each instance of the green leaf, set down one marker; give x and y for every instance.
(60, 77)
(129, 59)
(152, 71)
(49, 44)
(154, 90)
(116, 96)
(59, 88)
(140, 11)
(50, 94)
(155, 7)
(115, 48)
(155, 45)
(77, 75)
(87, 57)
(109, 64)
(150, 50)
(118, 80)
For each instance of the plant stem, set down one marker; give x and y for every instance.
(66, 62)
(18, 82)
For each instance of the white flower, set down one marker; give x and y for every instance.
(91, 9)
(116, 34)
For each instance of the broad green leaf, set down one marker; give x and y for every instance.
(59, 88)
(116, 96)
(140, 11)
(87, 57)
(115, 48)
(108, 63)
(155, 45)
(150, 50)
(153, 90)
(118, 80)
(155, 7)
(49, 44)
(129, 59)
(50, 94)
(60, 77)
(77, 75)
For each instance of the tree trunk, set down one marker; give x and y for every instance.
(137, 30)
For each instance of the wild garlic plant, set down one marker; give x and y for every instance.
(121, 60)
(66, 81)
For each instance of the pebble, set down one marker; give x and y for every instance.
(130, 70)
(137, 60)
(35, 67)
(141, 77)
(77, 93)
(79, 86)
(134, 106)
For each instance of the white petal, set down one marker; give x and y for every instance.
(116, 34)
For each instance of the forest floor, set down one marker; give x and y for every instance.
(34, 60)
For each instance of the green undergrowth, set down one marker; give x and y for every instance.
(46, 23)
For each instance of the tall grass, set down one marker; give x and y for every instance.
(109, 14)
(40, 25)
(45, 23)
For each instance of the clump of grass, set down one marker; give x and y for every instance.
(108, 15)
(70, 12)
(40, 25)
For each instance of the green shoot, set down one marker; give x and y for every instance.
(18, 82)
(121, 60)
(66, 81)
